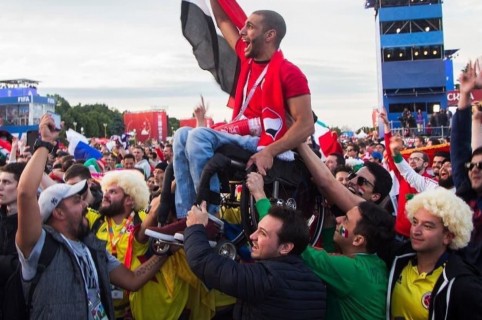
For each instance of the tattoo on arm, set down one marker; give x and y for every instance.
(150, 265)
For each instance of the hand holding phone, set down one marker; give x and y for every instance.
(57, 121)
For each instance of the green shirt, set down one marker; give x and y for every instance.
(356, 286)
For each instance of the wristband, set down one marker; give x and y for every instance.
(40, 143)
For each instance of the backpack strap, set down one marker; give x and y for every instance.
(96, 225)
(48, 252)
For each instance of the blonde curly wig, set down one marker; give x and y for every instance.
(456, 215)
(132, 183)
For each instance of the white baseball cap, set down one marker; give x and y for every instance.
(51, 197)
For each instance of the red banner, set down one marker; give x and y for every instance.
(453, 97)
(147, 125)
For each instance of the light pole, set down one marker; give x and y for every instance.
(105, 130)
(82, 130)
(75, 126)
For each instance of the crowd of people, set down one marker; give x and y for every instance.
(402, 231)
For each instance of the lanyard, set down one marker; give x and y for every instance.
(251, 92)
(92, 267)
(113, 239)
(127, 227)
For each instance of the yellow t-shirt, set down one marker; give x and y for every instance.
(172, 289)
(121, 239)
(412, 293)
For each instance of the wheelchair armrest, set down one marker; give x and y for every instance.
(217, 221)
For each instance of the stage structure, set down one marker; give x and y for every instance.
(415, 72)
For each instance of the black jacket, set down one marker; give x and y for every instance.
(8, 252)
(278, 288)
(460, 282)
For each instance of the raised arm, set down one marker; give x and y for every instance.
(476, 140)
(227, 27)
(200, 113)
(333, 190)
(415, 180)
(149, 221)
(13, 152)
(460, 147)
(29, 220)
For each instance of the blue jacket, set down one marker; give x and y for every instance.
(278, 288)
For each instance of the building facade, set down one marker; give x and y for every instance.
(415, 72)
(21, 107)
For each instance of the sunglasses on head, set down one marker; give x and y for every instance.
(360, 180)
(471, 165)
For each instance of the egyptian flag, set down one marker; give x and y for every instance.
(211, 50)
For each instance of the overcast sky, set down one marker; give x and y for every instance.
(131, 55)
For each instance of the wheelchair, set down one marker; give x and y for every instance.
(286, 183)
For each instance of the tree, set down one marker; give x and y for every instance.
(173, 126)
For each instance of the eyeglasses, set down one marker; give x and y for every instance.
(415, 159)
(360, 180)
(471, 165)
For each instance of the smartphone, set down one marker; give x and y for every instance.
(57, 121)
(32, 135)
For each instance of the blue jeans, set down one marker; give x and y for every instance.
(192, 149)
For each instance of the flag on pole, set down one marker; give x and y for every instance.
(79, 146)
(211, 50)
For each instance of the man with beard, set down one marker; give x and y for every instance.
(445, 176)
(76, 283)
(268, 89)
(121, 222)
(411, 172)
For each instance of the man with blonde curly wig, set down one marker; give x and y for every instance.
(431, 281)
(121, 222)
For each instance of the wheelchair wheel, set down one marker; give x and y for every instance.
(226, 249)
(160, 248)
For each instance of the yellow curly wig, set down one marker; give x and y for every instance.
(456, 215)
